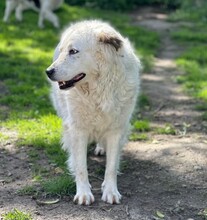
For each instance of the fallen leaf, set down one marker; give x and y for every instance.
(160, 214)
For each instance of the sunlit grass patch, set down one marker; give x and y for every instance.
(194, 60)
(16, 215)
(141, 125)
(40, 132)
(196, 74)
(139, 130)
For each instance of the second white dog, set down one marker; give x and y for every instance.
(95, 81)
(44, 7)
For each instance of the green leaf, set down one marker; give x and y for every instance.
(160, 214)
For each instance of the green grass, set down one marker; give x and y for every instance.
(53, 186)
(16, 215)
(59, 185)
(194, 60)
(25, 110)
(139, 130)
(138, 137)
(190, 12)
(27, 190)
(141, 125)
(168, 129)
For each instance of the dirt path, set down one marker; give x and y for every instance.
(167, 174)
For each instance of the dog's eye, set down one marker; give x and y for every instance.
(73, 51)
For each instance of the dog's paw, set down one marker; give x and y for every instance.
(84, 198)
(99, 151)
(111, 194)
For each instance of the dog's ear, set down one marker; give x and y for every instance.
(111, 40)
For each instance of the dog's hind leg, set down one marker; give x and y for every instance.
(24, 6)
(50, 16)
(99, 150)
(109, 187)
(18, 13)
(41, 19)
(10, 6)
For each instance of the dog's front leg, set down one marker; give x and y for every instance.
(78, 165)
(109, 187)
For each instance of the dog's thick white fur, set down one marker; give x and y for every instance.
(95, 82)
(45, 12)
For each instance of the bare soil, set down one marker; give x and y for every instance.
(165, 175)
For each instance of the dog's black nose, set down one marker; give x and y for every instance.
(50, 72)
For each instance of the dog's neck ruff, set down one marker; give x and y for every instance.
(36, 2)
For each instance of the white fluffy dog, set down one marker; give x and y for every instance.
(44, 7)
(95, 82)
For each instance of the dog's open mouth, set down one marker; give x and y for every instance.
(72, 82)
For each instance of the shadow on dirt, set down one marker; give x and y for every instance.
(147, 187)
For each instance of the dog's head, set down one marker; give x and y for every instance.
(82, 48)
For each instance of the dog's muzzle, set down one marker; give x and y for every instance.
(65, 84)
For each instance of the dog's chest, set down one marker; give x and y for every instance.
(94, 111)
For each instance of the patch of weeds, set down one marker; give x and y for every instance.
(167, 129)
(38, 172)
(59, 185)
(139, 129)
(37, 178)
(141, 125)
(138, 137)
(27, 190)
(16, 215)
